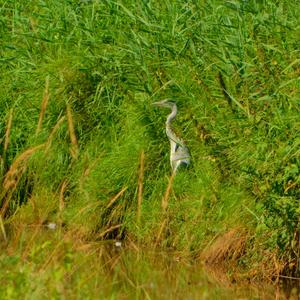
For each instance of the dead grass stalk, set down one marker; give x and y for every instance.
(61, 195)
(55, 128)
(8, 130)
(3, 229)
(43, 106)
(165, 199)
(14, 174)
(228, 246)
(116, 197)
(140, 186)
(73, 138)
(108, 230)
(61, 203)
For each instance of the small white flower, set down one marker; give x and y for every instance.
(118, 244)
(51, 226)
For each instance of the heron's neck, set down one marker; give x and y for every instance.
(172, 115)
(169, 130)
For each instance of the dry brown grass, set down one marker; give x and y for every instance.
(161, 231)
(27, 227)
(13, 175)
(108, 230)
(140, 186)
(165, 199)
(164, 206)
(61, 202)
(33, 238)
(268, 269)
(115, 198)
(8, 130)
(224, 252)
(61, 195)
(228, 246)
(51, 135)
(2, 228)
(73, 138)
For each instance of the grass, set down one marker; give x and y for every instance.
(82, 146)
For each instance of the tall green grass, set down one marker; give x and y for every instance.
(231, 66)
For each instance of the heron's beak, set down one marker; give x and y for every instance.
(157, 104)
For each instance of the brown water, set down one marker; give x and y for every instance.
(111, 270)
(152, 275)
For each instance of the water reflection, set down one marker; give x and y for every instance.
(136, 274)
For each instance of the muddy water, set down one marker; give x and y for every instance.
(136, 274)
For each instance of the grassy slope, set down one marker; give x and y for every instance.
(107, 62)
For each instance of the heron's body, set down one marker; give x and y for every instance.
(179, 152)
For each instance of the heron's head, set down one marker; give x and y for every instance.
(165, 103)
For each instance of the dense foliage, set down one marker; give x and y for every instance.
(78, 79)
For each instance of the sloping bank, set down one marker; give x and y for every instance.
(82, 147)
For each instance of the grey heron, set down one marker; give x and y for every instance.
(179, 152)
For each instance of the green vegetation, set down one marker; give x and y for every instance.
(81, 145)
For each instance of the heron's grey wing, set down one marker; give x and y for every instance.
(182, 153)
(181, 158)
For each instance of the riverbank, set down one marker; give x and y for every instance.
(59, 267)
(83, 150)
